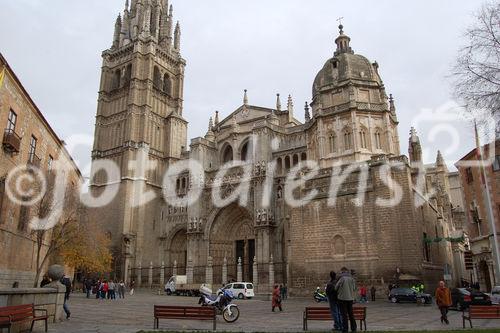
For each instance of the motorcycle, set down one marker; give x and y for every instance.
(222, 304)
(320, 296)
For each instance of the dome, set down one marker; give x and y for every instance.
(345, 66)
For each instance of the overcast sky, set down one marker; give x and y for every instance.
(55, 46)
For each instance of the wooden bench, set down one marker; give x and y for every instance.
(184, 312)
(323, 313)
(481, 312)
(17, 314)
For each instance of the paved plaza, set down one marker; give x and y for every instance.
(135, 313)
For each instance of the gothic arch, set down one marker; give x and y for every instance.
(156, 77)
(225, 227)
(347, 138)
(364, 139)
(246, 150)
(227, 153)
(167, 84)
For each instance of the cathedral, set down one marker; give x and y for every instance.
(350, 123)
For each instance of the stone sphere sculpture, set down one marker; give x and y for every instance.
(56, 272)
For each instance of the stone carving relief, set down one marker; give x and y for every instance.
(264, 217)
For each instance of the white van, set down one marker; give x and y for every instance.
(241, 290)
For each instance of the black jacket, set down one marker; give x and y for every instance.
(331, 293)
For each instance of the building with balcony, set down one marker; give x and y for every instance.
(28, 144)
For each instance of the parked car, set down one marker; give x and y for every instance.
(495, 295)
(461, 298)
(241, 289)
(408, 295)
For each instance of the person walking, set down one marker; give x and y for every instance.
(346, 293)
(276, 299)
(88, 287)
(285, 291)
(331, 294)
(121, 290)
(373, 291)
(282, 292)
(132, 285)
(443, 301)
(363, 294)
(104, 289)
(65, 280)
(112, 289)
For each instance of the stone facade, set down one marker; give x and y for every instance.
(23, 124)
(262, 238)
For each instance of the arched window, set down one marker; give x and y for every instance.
(332, 143)
(279, 163)
(183, 182)
(228, 154)
(246, 151)
(347, 139)
(178, 184)
(295, 159)
(287, 162)
(116, 79)
(362, 138)
(378, 141)
(156, 78)
(128, 73)
(303, 157)
(167, 84)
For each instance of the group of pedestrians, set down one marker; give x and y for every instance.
(104, 289)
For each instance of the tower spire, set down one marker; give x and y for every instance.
(278, 102)
(177, 37)
(216, 118)
(126, 5)
(307, 115)
(118, 29)
(290, 104)
(245, 98)
(414, 147)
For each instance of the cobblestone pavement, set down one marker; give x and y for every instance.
(135, 313)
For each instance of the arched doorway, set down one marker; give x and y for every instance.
(232, 236)
(178, 251)
(485, 274)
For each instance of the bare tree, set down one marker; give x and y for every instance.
(49, 242)
(476, 72)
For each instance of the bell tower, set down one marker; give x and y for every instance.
(139, 115)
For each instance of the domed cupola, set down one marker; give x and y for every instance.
(347, 77)
(352, 117)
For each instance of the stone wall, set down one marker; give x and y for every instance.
(51, 299)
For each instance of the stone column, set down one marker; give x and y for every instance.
(139, 275)
(255, 273)
(209, 273)
(174, 269)
(271, 274)
(189, 270)
(150, 275)
(239, 274)
(224, 271)
(162, 274)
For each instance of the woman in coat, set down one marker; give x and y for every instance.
(443, 301)
(276, 298)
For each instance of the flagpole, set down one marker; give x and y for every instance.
(489, 210)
